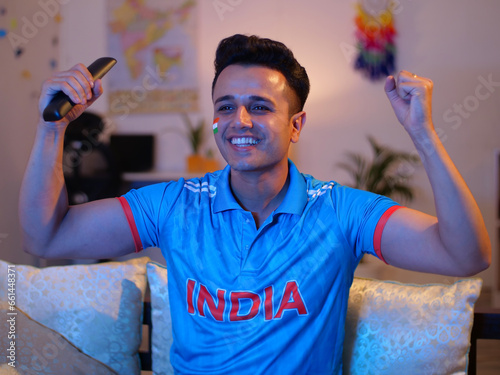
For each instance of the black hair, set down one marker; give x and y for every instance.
(253, 50)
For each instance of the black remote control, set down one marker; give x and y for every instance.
(60, 104)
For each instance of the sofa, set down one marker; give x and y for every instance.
(99, 319)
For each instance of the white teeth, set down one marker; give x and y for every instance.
(244, 141)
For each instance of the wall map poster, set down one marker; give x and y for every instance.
(154, 42)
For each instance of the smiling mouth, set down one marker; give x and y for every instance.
(244, 141)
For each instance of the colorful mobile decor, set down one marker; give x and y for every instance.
(375, 38)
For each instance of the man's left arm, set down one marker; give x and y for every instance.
(455, 242)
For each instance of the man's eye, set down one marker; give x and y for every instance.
(260, 108)
(224, 108)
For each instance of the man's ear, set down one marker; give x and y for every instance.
(298, 121)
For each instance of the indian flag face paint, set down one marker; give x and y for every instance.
(215, 125)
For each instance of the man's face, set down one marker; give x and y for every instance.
(255, 125)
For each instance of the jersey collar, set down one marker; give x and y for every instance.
(294, 202)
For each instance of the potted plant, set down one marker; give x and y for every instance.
(384, 174)
(195, 133)
(211, 163)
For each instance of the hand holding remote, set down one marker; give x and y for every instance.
(60, 104)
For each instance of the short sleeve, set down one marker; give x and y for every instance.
(359, 214)
(147, 206)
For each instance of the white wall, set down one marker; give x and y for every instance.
(34, 29)
(452, 42)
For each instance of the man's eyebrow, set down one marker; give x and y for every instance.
(256, 98)
(223, 98)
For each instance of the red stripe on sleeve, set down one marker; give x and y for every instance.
(131, 223)
(377, 236)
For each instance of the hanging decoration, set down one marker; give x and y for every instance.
(375, 36)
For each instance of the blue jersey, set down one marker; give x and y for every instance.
(267, 300)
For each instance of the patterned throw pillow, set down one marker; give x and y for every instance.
(97, 307)
(40, 350)
(395, 328)
(162, 322)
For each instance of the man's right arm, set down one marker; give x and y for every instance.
(50, 227)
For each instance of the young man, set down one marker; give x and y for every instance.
(260, 256)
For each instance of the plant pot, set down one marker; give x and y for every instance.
(211, 165)
(195, 163)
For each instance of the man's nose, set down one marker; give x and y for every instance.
(243, 118)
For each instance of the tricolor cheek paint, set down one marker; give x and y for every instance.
(215, 125)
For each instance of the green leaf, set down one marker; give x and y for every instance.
(195, 133)
(383, 174)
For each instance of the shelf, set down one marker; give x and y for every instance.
(158, 176)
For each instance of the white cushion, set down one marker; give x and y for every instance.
(161, 319)
(37, 349)
(97, 307)
(395, 328)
